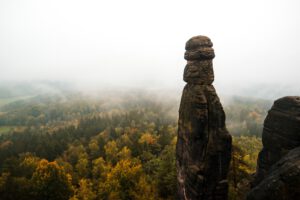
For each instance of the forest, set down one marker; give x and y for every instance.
(116, 146)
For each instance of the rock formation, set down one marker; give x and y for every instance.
(278, 166)
(203, 150)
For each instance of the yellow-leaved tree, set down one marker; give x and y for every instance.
(50, 181)
(126, 181)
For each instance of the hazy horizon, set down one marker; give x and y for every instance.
(141, 43)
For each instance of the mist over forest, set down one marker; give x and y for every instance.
(93, 137)
(10, 89)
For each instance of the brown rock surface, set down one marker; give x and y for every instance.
(281, 133)
(282, 182)
(278, 164)
(204, 145)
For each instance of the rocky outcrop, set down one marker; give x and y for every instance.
(278, 164)
(203, 148)
(282, 182)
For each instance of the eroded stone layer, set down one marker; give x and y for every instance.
(281, 134)
(199, 72)
(282, 182)
(204, 144)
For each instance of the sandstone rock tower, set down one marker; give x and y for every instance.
(203, 148)
(278, 165)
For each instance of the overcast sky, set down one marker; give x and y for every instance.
(142, 42)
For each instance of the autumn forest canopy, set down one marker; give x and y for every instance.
(108, 144)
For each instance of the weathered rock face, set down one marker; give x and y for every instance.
(282, 181)
(278, 164)
(281, 133)
(203, 148)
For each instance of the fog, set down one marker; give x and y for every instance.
(141, 43)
